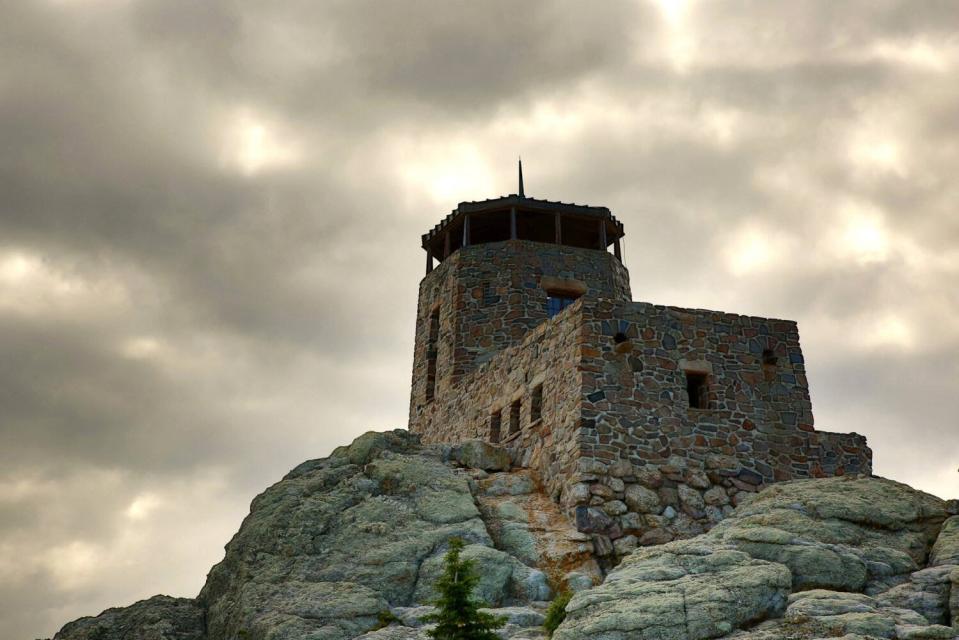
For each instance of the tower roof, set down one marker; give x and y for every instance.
(523, 204)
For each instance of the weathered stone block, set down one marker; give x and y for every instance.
(946, 549)
(592, 520)
(602, 491)
(615, 508)
(482, 455)
(602, 545)
(625, 545)
(642, 500)
(698, 480)
(579, 493)
(749, 477)
(716, 496)
(616, 484)
(650, 478)
(655, 536)
(621, 469)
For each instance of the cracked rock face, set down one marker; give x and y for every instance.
(802, 560)
(341, 540)
(338, 543)
(158, 618)
(946, 549)
(677, 591)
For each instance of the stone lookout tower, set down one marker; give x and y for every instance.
(527, 335)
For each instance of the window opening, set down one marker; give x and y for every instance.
(431, 354)
(536, 404)
(697, 389)
(769, 358)
(620, 337)
(494, 426)
(489, 294)
(514, 410)
(556, 302)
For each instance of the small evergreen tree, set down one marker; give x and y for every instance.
(556, 612)
(458, 616)
(384, 619)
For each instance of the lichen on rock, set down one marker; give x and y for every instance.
(787, 564)
(946, 549)
(683, 590)
(350, 546)
(157, 618)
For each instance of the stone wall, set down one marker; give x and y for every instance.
(548, 356)
(635, 405)
(489, 297)
(618, 444)
(652, 468)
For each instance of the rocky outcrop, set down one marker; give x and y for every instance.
(159, 618)
(946, 550)
(526, 524)
(805, 559)
(341, 542)
(679, 590)
(350, 546)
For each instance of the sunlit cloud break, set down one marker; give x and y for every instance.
(253, 143)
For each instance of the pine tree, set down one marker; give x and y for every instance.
(556, 612)
(458, 616)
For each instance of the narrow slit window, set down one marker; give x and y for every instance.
(697, 388)
(431, 354)
(514, 413)
(494, 426)
(536, 404)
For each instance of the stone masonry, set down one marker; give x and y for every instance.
(644, 422)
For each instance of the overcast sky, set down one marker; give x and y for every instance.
(210, 216)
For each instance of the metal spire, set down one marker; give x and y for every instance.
(521, 193)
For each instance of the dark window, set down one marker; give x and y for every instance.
(489, 227)
(556, 303)
(769, 358)
(697, 389)
(431, 354)
(514, 410)
(536, 226)
(580, 232)
(489, 294)
(620, 338)
(494, 426)
(536, 404)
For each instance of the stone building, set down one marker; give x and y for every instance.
(644, 421)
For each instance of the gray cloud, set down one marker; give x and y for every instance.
(210, 218)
